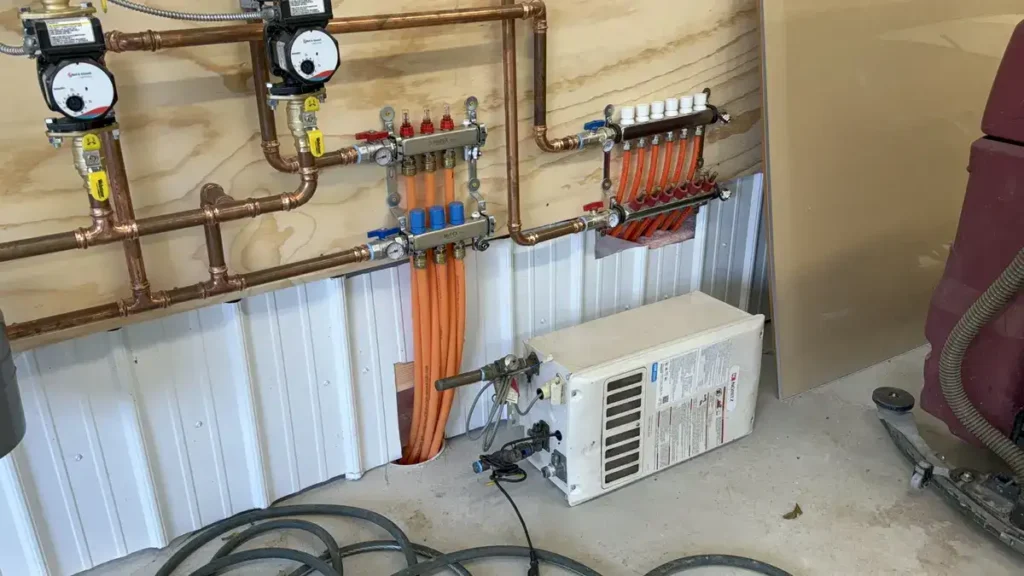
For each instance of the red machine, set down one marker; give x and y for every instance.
(974, 376)
(991, 234)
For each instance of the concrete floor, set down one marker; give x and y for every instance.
(824, 450)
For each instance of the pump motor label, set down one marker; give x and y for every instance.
(93, 89)
(306, 7)
(70, 31)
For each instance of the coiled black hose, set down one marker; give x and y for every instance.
(226, 558)
(717, 560)
(986, 309)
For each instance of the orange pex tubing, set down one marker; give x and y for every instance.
(641, 166)
(417, 337)
(694, 161)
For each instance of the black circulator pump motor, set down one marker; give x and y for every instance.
(12, 415)
(300, 50)
(72, 76)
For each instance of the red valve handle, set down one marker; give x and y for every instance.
(593, 207)
(372, 135)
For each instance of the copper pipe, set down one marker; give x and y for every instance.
(157, 40)
(199, 291)
(268, 125)
(540, 93)
(212, 195)
(129, 230)
(124, 211)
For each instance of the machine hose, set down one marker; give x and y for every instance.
(187, 16)
(985, 310)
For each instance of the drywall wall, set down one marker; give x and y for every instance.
(189, 118)
(141, 435)
(871, 109)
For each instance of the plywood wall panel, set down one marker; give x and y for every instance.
(872, 108)
(188, 118)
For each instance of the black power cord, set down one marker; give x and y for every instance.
(504, 467)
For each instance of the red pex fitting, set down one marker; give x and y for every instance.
(446, 121)
(406, 130)
(427, 126)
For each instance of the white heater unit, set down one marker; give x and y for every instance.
(641, 391)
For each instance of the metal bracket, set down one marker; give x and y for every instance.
(606, 182)
(472, 154)
(394, 198)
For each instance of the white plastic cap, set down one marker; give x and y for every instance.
(657, 110)
(686, 105)
(627, 116)
(643, 112)
(672, 107)
(700, 102)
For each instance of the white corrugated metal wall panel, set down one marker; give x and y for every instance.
(731, 238)
(138, 436)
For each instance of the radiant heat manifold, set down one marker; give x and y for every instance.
(400, 151)
(667, 182)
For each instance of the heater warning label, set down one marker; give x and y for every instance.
(690, 428)
(679, 378)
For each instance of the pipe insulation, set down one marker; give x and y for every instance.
(988, 307)
(187, 16)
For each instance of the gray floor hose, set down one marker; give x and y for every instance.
(985, 310)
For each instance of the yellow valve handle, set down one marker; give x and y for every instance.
(316, 142)
(90, 143)
(99, 186)
(103, 5)
(311, 104)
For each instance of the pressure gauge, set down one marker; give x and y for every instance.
(396, 251)
(613, 219)
(383, 157)
(81, 90)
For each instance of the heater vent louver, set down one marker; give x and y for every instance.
(621, 420)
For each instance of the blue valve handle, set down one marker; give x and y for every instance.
(594, 125)
(383, 233)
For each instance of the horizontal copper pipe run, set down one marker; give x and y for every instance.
(199, 291)
(157, 40)
(100, 233)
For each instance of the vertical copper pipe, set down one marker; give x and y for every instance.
(540, 92)
(508, 60)
(211, 195)
(124, 212)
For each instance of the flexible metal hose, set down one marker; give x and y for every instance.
(12, 50)
(187, 16)
(985, 310)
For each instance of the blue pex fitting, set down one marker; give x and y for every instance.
(457, 213)
(437, 218)
(417, 221)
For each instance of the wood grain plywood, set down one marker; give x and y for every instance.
(188, 118)
(872, 106)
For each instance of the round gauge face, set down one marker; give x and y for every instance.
(382, 157)
(314, 55)
(82, 91)
(396, 251)
(613, 219)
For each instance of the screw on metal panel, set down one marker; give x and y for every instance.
(575, 393)
(327, 383)
(199, 424)
(78, 457)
